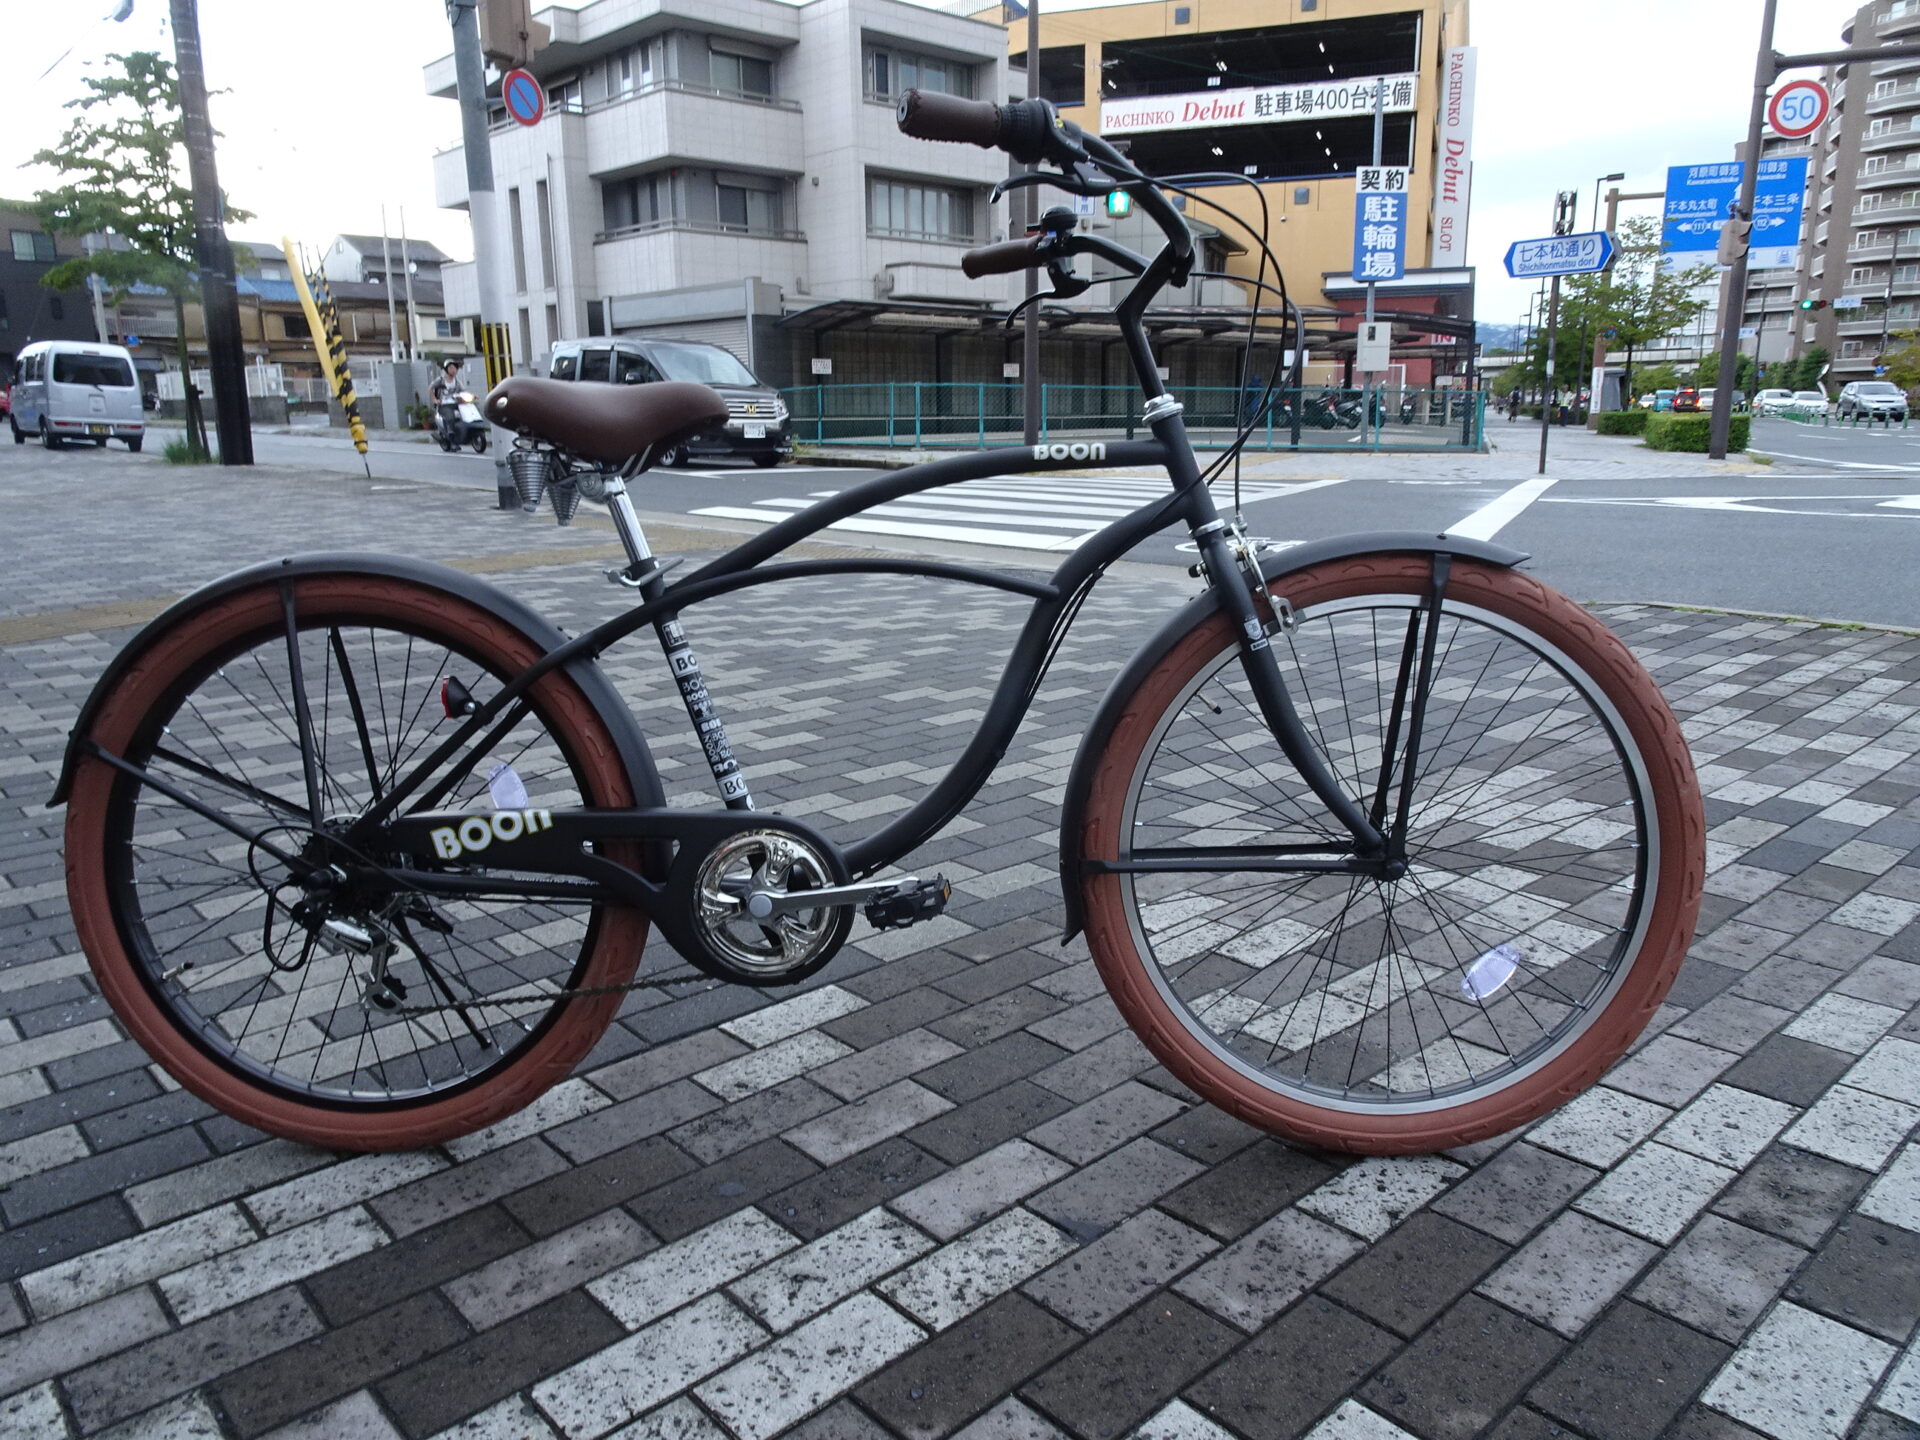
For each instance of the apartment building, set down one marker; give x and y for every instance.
(1863, 250)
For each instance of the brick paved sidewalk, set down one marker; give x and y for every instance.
(943, 1190)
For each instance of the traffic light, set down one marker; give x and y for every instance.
(1814, 304)
(1119, 204)
(508, 33)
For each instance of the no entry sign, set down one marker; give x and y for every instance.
(525, 99)
(1798, 108)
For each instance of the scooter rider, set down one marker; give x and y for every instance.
(447, 387)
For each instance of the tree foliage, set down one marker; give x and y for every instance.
(123, 169)
(1903, 360)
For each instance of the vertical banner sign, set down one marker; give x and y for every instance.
(1453, 160)
(323, 324)
(1379, 223)
(1700, 197)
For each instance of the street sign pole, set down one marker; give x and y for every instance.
(1735, 308)
(1562, 225)
(1379, 125)
(1030, 334)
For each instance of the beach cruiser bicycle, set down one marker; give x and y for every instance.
(1388, 850)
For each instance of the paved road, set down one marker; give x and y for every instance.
(1821, 538)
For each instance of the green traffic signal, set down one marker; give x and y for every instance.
(1119, 203)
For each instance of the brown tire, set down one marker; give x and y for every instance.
(125, 841)
(1555, 843)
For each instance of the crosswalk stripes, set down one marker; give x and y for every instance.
(1040, 512)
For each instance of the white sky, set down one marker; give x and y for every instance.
(327, 119)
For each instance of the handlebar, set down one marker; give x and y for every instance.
(1023, 128)
(1009, 257)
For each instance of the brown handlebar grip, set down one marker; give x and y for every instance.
(1009, 257)
(931, 115)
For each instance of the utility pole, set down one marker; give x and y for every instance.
(1769, 64)
(470, 78)
(1030, 337)
(394, 351)
(219, 304)
(1379, 130)
(1563, 208)
(1886, 309)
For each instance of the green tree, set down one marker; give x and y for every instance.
(1637, 301)
(123, 163)
(1902, 360)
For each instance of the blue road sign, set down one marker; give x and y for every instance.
(1380, 222)
(1585, 254)
(1700, 197)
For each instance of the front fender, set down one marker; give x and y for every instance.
(1094, 743)
(543, 632)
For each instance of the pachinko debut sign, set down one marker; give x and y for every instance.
(1257, 105)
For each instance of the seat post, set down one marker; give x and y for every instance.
(628, 524)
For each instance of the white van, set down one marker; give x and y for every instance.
(69, 390)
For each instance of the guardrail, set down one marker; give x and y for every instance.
(954, 416)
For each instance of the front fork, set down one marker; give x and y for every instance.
(1237, 579)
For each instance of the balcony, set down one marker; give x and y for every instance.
(1886, 215)
(1900, 138)
(681, 255)
(1907, 97)
(1889, 24)
(450, 178)
(693, 124)
(1892, 175)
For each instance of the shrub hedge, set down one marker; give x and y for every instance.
(1691, 432)
(1623, 422)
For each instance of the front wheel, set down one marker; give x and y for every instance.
(767, 461)
(1551, 847)
(479, 443)
(284, 978)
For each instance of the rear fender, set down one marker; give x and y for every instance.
(588, 676)
(1093, 744)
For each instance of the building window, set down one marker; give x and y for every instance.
(632, 69)
(1879, 127)
(566, 97)
(33, 245)
(635, 201)
(889, 71)
(516, 224)
(1867, 239)
(446, 330)
(742, 74)
(1884, 88)
(543, 216)
(1861, 275)
(1850, 348)
(1906, 274)
(748, 203)
(920, 212)
(5, 323)
(56, 308)
(295, 327)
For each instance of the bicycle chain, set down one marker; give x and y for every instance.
(660, 982)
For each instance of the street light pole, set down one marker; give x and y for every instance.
(1030, 336)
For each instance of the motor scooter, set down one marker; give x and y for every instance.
(458, 422)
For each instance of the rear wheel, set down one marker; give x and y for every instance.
(133, 443)
(19, 435)
(47, 438)
(677, 456)
(277, 977)
(1553, 849)
(767, 461)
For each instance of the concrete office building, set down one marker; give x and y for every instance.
(720, 169)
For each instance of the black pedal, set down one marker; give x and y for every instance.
(909, 904)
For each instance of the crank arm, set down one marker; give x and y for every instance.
(766, 904)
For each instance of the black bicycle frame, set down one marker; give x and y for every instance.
(1054, 601)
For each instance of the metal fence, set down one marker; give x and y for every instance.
(923, 415)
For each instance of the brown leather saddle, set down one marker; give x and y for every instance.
(607, 423)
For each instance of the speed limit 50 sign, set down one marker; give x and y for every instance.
(1798, 108)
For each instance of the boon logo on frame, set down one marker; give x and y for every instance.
(477, 832)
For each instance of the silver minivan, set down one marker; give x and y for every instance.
(71, 390)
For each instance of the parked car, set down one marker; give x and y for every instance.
(70, 390)
(1873, 400)
(757, 424)
(1772, 402)
(1809, 402)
